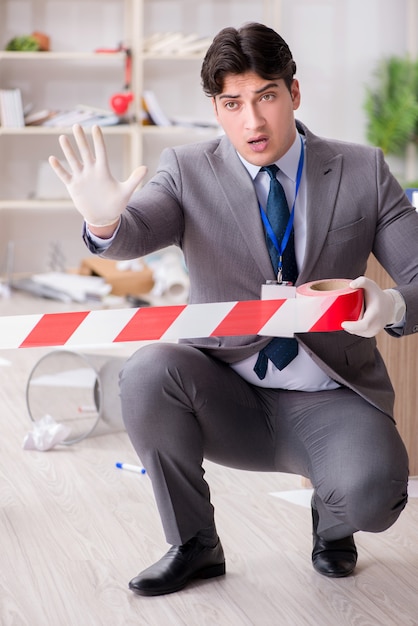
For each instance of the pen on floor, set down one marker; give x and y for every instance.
(131, 468)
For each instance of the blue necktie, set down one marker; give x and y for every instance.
(281, 350)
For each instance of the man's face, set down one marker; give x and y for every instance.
(257, 116)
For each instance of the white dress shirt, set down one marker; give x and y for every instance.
(302, 374)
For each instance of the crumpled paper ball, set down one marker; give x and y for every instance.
(46, 434)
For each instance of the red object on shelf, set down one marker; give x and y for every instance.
(120, 102)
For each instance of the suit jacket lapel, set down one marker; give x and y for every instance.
(238, 190)
(323, 174)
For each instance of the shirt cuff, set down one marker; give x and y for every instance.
(399, 313)
(100, 244)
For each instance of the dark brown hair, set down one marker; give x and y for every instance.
(253, 47)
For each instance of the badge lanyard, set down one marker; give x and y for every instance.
(280, 247)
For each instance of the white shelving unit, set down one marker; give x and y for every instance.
(72, 73)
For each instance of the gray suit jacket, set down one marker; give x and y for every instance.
(203, 200)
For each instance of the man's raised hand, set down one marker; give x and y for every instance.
(96, 194)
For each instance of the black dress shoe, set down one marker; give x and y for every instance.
(179, 566)
(332, 558)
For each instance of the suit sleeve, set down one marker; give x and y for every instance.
(396, 241)
(154, 217)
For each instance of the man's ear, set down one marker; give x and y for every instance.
(295, 94)
(215, 107)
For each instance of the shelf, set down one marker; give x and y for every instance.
(177, 129)
(95, 56)
(62, 56)
(49, 205)
(119, 129)
(147, 56)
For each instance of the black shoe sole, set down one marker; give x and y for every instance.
(205, 573)
(334, 574)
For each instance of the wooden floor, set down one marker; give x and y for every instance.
(74, 530)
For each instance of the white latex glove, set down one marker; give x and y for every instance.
(382, 308)
(98, 196)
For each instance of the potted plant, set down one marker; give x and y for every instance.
(391, 106)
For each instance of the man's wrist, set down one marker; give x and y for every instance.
(104, 231)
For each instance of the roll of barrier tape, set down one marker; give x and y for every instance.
(319, 306)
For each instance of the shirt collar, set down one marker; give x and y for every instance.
(288, 163)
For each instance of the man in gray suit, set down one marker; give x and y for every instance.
(326, 414)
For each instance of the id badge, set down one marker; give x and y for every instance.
(273, 290)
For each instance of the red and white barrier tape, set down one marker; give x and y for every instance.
(275, 318)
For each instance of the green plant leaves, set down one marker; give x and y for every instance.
(24, 43)
(392, 105)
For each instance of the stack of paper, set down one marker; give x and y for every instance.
(83, 115)
(176, 43)
(65, 287)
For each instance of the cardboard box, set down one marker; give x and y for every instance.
(123, 282)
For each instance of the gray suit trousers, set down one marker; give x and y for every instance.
(181, 406)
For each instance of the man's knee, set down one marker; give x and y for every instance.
(379, 505)
(150, 365)
(370, 503)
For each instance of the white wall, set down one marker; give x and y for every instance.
(336, 44)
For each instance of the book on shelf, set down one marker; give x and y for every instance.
(11, 108)
(154, 115)
(154, 110)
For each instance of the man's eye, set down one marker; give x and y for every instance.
(232, 105)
